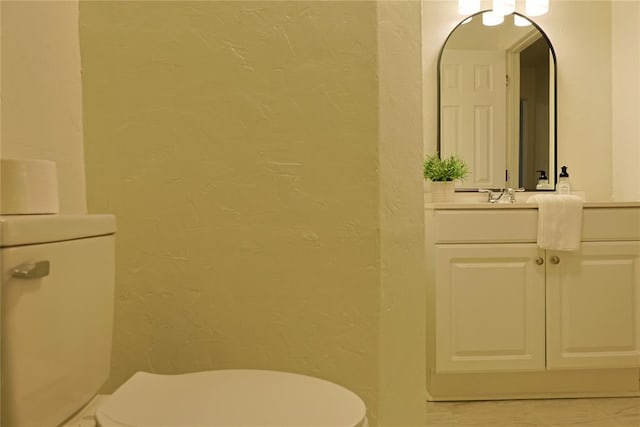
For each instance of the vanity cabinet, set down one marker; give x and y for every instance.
(502, 310)
(515, 307)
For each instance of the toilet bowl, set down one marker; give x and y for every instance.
(230, 398)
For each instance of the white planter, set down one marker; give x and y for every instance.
(442, 191)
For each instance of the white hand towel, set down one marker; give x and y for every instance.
(559, 221)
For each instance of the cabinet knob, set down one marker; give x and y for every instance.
(555, 260)
(539, 260)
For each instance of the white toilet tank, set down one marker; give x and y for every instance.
(57, 314)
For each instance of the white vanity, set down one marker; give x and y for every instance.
(506, 319)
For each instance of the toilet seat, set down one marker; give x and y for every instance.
(230, 398)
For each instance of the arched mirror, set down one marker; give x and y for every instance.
(497, 103)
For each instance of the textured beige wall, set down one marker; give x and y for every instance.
(581, 36)
(237, 143)
(41, 91)
(625, 25)
(402, 327)
(580, 32)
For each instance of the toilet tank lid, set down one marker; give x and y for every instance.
(33, 229)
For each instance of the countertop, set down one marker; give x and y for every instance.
(476, 200)
(522, 205)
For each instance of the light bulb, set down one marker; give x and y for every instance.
(468, 7)
(519, 21)
(504, 7)
(491, 19)
(536, 7)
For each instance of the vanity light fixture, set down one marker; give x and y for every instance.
(504, 7)
(519, 21)
(468, 7)
(491, 19)
(536, 7)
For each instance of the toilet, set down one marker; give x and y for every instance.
(57, 318)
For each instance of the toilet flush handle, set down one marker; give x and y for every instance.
(31, 270)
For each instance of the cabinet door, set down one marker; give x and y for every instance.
(489, 308)
(593, 306)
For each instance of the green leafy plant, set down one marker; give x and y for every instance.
(447, 169)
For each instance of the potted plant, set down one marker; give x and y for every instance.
(442, 172)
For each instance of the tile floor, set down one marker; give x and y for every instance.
(608, 412)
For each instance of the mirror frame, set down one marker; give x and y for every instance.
(555, 96)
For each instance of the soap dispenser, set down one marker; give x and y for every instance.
(564, 186)
(543, 180)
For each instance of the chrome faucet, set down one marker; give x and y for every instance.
(505, 195)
